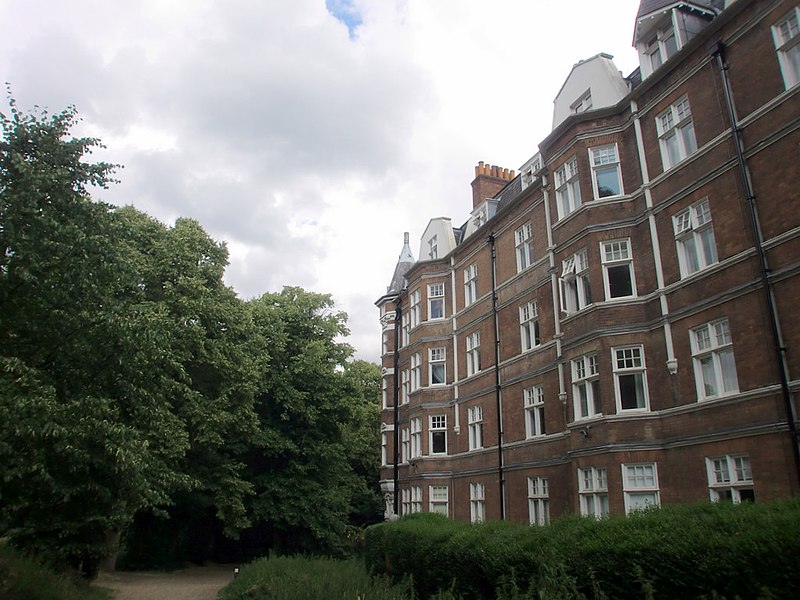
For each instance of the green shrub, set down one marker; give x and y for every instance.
(408, 547)
(24, 578)
(479, 557)
(698, 551)
(295, 578)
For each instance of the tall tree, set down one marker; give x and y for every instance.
(299, 463)
(362, 439)
(74, 464)
(124, 362)
(133, 382)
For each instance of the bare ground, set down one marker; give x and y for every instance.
(192, 583)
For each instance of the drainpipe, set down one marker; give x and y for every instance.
(497, 388)
(398, 315)
(780, 350)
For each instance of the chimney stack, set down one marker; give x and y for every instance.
(489, 179)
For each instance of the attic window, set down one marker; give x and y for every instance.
(433, 252)
(480, 218)
(661, 47)
(583, 103)
(529, 171)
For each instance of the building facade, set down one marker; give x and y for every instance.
(615, 326)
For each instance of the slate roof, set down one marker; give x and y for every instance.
(404, 262)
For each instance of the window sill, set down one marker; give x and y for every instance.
(632, 411)
(705, 399)
(584, 421)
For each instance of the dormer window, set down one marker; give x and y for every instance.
(660, 34)
(528, 171)
(583, 103)
(480, 218)
(662, 46)
(433, 248)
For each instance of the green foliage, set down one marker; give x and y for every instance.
(286, 578)
(309, 461)
(702, 551)
(77, 462)
(23, 578)
(136, 386)
(413, 546)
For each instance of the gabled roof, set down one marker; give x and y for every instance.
(648, 7)
(653, 8)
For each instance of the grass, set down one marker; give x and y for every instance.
(24, 578)
(297, 578)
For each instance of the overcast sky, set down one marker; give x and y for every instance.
(308, 135)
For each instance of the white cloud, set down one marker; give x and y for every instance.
(308, 147)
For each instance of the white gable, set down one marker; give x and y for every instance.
(438, 240)
(593, 83)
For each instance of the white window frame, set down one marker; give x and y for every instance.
(523, 238)
(405, 502)
(574, 283)
(406, 323)
(730, 478)
(438, 497)
(437, 363)
(473, 353)
(470, 284)
(659, 46)
(533, 402)
(433, 247)
(568, 188)
(384, 448)
(640, 486)
(628, 361)
(583, 103)
(586, 387)
(437, 426)
(435, 301)
(529, 336)
(712, 354)
(405, 444)
(593, 491)
(414, 301)
(477, 502)
(405, 384)
(616, 256)
(475, 427)
(416, 438)
(416, 372)
(538, 501)
(676, 124)
(605, 159)
(786, 35)
(529, 170)
(694, 238)
(416, 499)
(479, 218)
(384, 392)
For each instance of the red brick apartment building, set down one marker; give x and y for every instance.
(617, 324)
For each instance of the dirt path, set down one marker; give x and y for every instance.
(193, 583)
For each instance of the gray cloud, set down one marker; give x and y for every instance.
(309, 152)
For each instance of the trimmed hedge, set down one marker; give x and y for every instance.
(699, 551)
